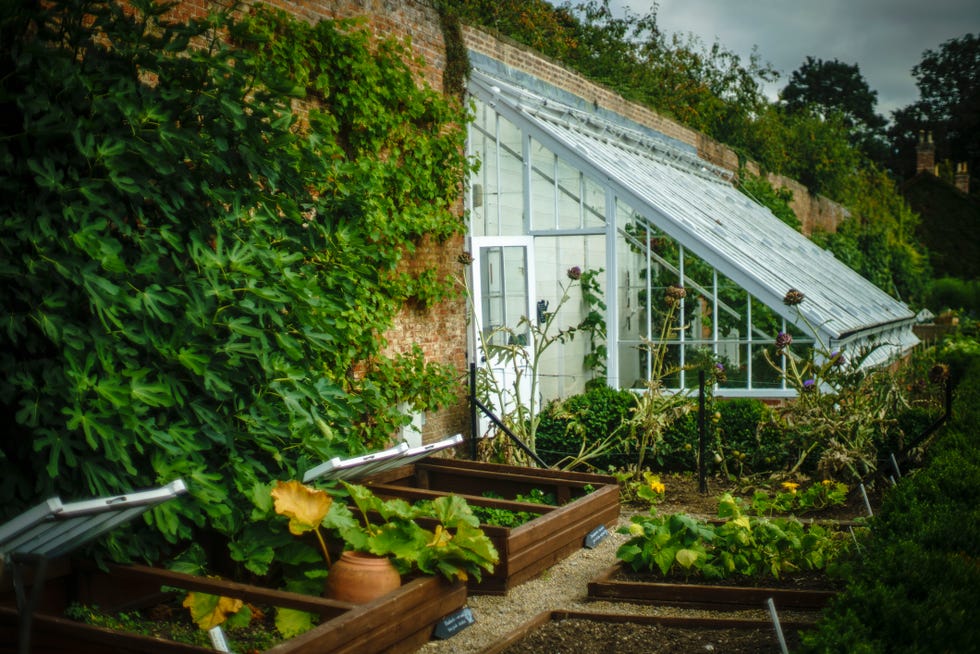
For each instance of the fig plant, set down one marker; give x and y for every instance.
(203, 231)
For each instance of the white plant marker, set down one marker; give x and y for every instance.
(857, 545)
(775, 623)
(218, 640)
(867, 503)
(898, 473)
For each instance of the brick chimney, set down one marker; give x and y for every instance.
(925, 154)
(962, 177)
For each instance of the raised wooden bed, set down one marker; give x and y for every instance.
(400, 622)
(607, 586)
(692, 623)
(585, 502)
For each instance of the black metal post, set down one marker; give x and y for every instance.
(478, 405)
(702, 468)
(474, 421)
(514, 437)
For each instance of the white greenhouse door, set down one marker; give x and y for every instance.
(503, 279)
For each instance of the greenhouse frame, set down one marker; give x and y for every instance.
(564, 187)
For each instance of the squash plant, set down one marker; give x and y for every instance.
(203, 226)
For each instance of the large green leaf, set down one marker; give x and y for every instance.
(293, 622)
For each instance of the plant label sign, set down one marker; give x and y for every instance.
(453, 623)
(595, 536)
(218, 640)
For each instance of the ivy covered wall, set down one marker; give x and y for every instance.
(228, 248)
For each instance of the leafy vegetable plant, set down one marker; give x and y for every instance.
(793, 500)
(678, 544)
(501, 517)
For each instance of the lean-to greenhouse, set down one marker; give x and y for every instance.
(563, 184)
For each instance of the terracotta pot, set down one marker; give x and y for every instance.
(359, 577)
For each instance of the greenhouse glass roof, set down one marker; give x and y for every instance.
(696, 204)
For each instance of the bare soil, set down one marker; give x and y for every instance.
(579, 636)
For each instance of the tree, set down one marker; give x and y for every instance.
(949, 104)
(835, 88)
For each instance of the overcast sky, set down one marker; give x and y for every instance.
(885, 38)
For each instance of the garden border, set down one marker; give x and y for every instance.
(605, 586)
(396, 623)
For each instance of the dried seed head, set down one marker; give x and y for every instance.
(939, 373)
(674, 294)
(793, 297)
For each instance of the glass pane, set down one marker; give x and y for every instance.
(503, 273)
(543, 188)
(699, 303)
(482, 146)
(510, 189)
(632, 289)
(764, 375)
(733, 328)
(595, 204)
(671, 368)
(569, 197)
(698, 356)
(766, 323)
(632, 365)
(732, 355)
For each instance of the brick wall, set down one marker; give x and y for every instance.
(441, 331)
(816, 213)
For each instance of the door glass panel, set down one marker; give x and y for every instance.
(503, 274)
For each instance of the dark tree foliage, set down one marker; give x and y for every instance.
(834, 88)
(949, 105)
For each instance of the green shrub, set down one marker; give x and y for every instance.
(197, 280)
(678, 451)
(918, 584)
(956, 294)
(587, 417)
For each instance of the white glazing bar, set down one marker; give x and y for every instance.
(649, 288)
(782, 362)
(714, 311)
(612, 292)
(681, 332)
(496, 163)
(557, 190)
(526, 170)
(748, 342)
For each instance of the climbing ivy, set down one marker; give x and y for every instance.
(203, 228)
